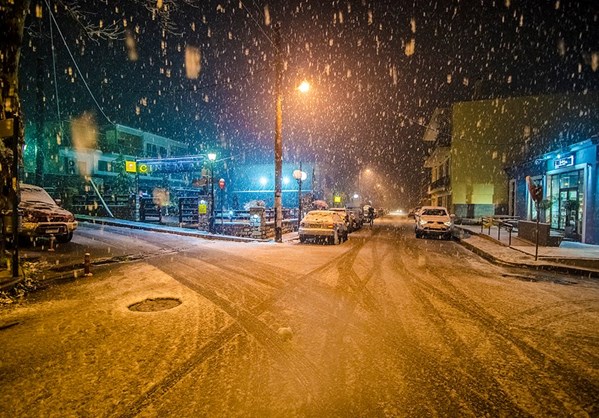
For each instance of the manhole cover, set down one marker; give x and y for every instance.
(154, 305)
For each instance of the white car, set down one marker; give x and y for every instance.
(323, 224)
(433, 221)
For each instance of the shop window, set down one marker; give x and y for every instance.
(104, 165)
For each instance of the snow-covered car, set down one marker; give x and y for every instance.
(40, 215)
(358, 215)
(323, 224)
(350, 218)
(433, 221)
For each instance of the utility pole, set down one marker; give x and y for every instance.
(40, 144)
(299, 197)
(15, 197)
(278, 136)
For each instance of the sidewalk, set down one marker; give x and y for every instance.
(570, 257)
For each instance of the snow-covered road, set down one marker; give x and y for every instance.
(382, 325)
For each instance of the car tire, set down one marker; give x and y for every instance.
(418, 235)
(63, 239)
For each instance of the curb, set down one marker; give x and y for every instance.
(559, 268)
(182, 232)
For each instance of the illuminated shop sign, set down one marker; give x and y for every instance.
(567, 161)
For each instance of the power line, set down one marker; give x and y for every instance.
(75, 64)
(54, 70)
(260, 27)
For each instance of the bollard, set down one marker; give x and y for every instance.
(86, 265)
(52, 239)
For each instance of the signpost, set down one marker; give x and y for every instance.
(221, 185)
(300, 176)
(536, 193)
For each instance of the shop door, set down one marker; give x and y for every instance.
(568, 210)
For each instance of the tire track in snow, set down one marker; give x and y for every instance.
(421, 368)
(307, 375)
(581, 389)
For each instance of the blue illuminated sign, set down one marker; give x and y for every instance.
(567, 161)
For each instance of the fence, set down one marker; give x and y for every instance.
(500, 221)
(120, 206)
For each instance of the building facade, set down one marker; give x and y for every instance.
(570, 181)
(482, 151)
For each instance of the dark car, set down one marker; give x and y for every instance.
(40, 216)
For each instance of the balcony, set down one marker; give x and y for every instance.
(439, 185)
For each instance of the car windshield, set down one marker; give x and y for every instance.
(35, 195)
(322, 217)
(434, 212)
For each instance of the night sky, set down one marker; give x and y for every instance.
(378, 69)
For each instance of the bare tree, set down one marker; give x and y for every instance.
(12, 22)
(13, 14)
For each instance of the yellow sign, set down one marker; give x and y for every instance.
(130, 166)
(337, 199)
(143, 168)
(202, 209)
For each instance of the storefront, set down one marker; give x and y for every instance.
(566, 194)
(570, 191)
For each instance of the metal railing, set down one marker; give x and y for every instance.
(500, 221)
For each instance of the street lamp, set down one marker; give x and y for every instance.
(300, 176)
(212, 158)
(304, 87)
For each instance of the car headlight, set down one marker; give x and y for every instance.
(448, 223)
(422, 222)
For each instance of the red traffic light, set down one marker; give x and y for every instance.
(221, 183)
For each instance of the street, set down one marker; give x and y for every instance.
(382, 325)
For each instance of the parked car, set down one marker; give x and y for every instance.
(358, 215)
(41, 216)
(433, 221)
(413, 213)
(323, 224)
(350, 218)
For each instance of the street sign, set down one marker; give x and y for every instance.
(535, 190)
(130, 166)
(221, 183)
(202, 208)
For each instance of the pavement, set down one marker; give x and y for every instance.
(492, 244)
(501, 247)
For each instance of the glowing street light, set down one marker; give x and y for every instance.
(304, 87)
(300, 176)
